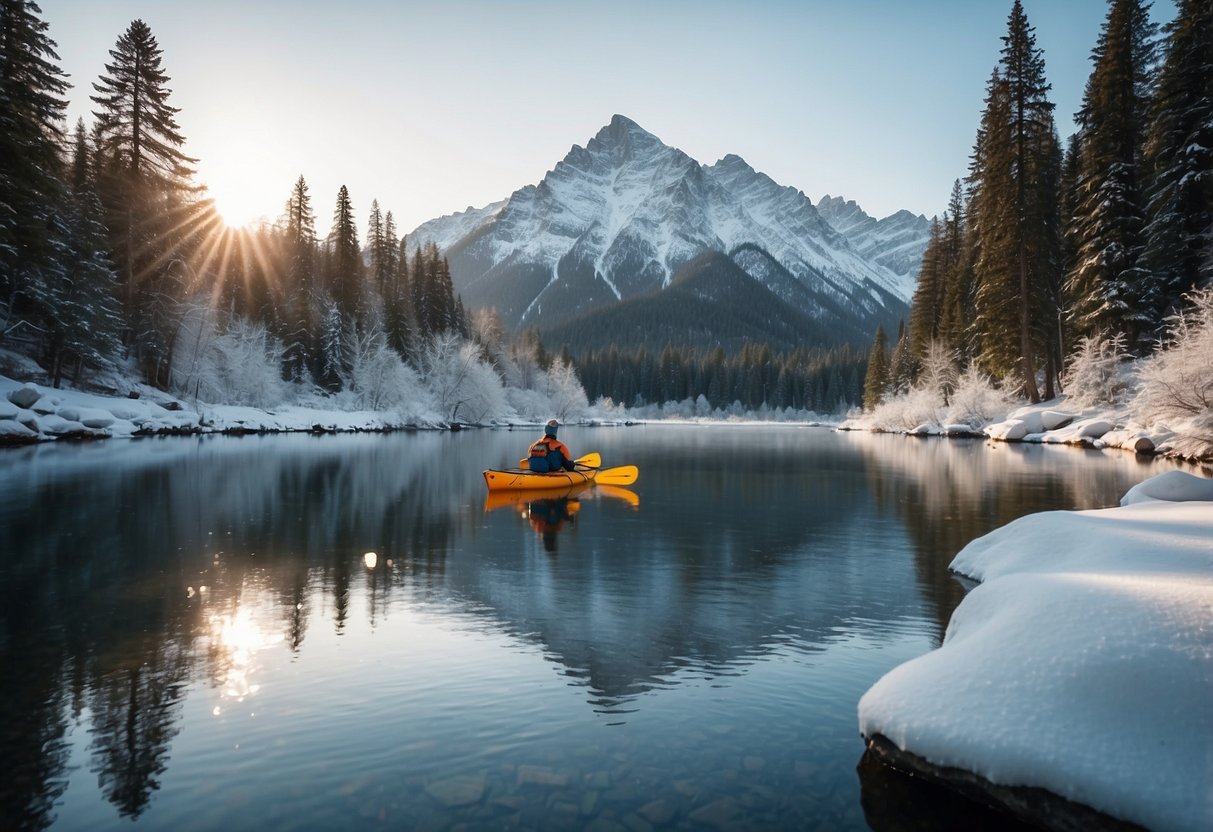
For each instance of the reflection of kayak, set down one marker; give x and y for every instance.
(505, 498)
(516, 479)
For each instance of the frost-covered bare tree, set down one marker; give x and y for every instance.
(1097, 373)
(976, 400)
(1177, 384)
(239, 365)
(463, 386)
(937, 370)
(564, 391)
(381, 380)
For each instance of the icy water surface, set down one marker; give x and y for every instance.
(196, 635)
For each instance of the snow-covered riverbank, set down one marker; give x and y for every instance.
(1082, 665)
(32, 413)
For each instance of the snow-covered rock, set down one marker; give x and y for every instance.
(1054, 419)
(1173, 486)
(1083, 664)
(25, 396)
(90, 417)
(1012, 430)
(12, 431)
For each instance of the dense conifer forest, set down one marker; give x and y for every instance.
(1045, 249)
(113, 259)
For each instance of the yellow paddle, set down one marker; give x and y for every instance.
(623, 475)
(592, 460)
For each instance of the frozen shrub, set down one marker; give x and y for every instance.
(381, 380)
(564, 392)
(937, 371)
(1096, 374)
(1177, 383)
(976, 401)
(463, 387)
(908, 410)
(239, 365)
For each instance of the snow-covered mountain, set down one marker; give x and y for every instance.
(896, 242)
(618, 218)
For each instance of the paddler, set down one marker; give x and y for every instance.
(549, 453)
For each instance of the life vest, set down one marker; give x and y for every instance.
(547, 445)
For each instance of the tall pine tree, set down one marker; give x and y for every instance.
(155, 219)
(1107, 285)
(32, 87)
(1179, 158)
(1014, 212)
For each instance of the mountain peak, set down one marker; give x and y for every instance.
(622, 131)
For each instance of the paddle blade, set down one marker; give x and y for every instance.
(623, 475)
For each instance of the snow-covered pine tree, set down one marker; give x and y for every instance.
(32, 87)
(299, 324)
(344, 263)
(155, 219)
(1179, 157)
(1107, 285)
(83, 319)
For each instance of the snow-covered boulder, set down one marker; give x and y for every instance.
(1012, 430)
(1054, 419)
(1083, 665)
(56, 425)
(8, 410)
(13, 432)
(1031, 416)
(90, 417)
(25, 396)
(1173, 486)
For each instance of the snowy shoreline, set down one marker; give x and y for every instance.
(1081, 665)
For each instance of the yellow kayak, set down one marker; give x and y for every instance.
(518, 479)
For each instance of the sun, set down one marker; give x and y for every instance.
(239, 207)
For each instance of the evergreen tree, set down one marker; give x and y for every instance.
(1179, 158)
(344, 277)
(876, 381)
(154, 217)
(927, 306)
(955, 325)
(32, 87)
(1014, 210)
(1107, 285)
(300, 318)
(83, 320)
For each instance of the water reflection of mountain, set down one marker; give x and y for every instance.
(776, 551)
(104, 618)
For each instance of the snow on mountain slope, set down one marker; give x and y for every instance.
(618, 217)
(450, 229)
(896, 242)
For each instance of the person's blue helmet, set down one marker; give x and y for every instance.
(550, 428)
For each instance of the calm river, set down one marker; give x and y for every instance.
(196, 635)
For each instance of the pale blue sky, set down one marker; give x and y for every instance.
(434, 106)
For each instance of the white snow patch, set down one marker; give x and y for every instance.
(1083, 664)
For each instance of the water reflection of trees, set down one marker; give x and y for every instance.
(117, 566)
(950, 492)
(104, 615)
